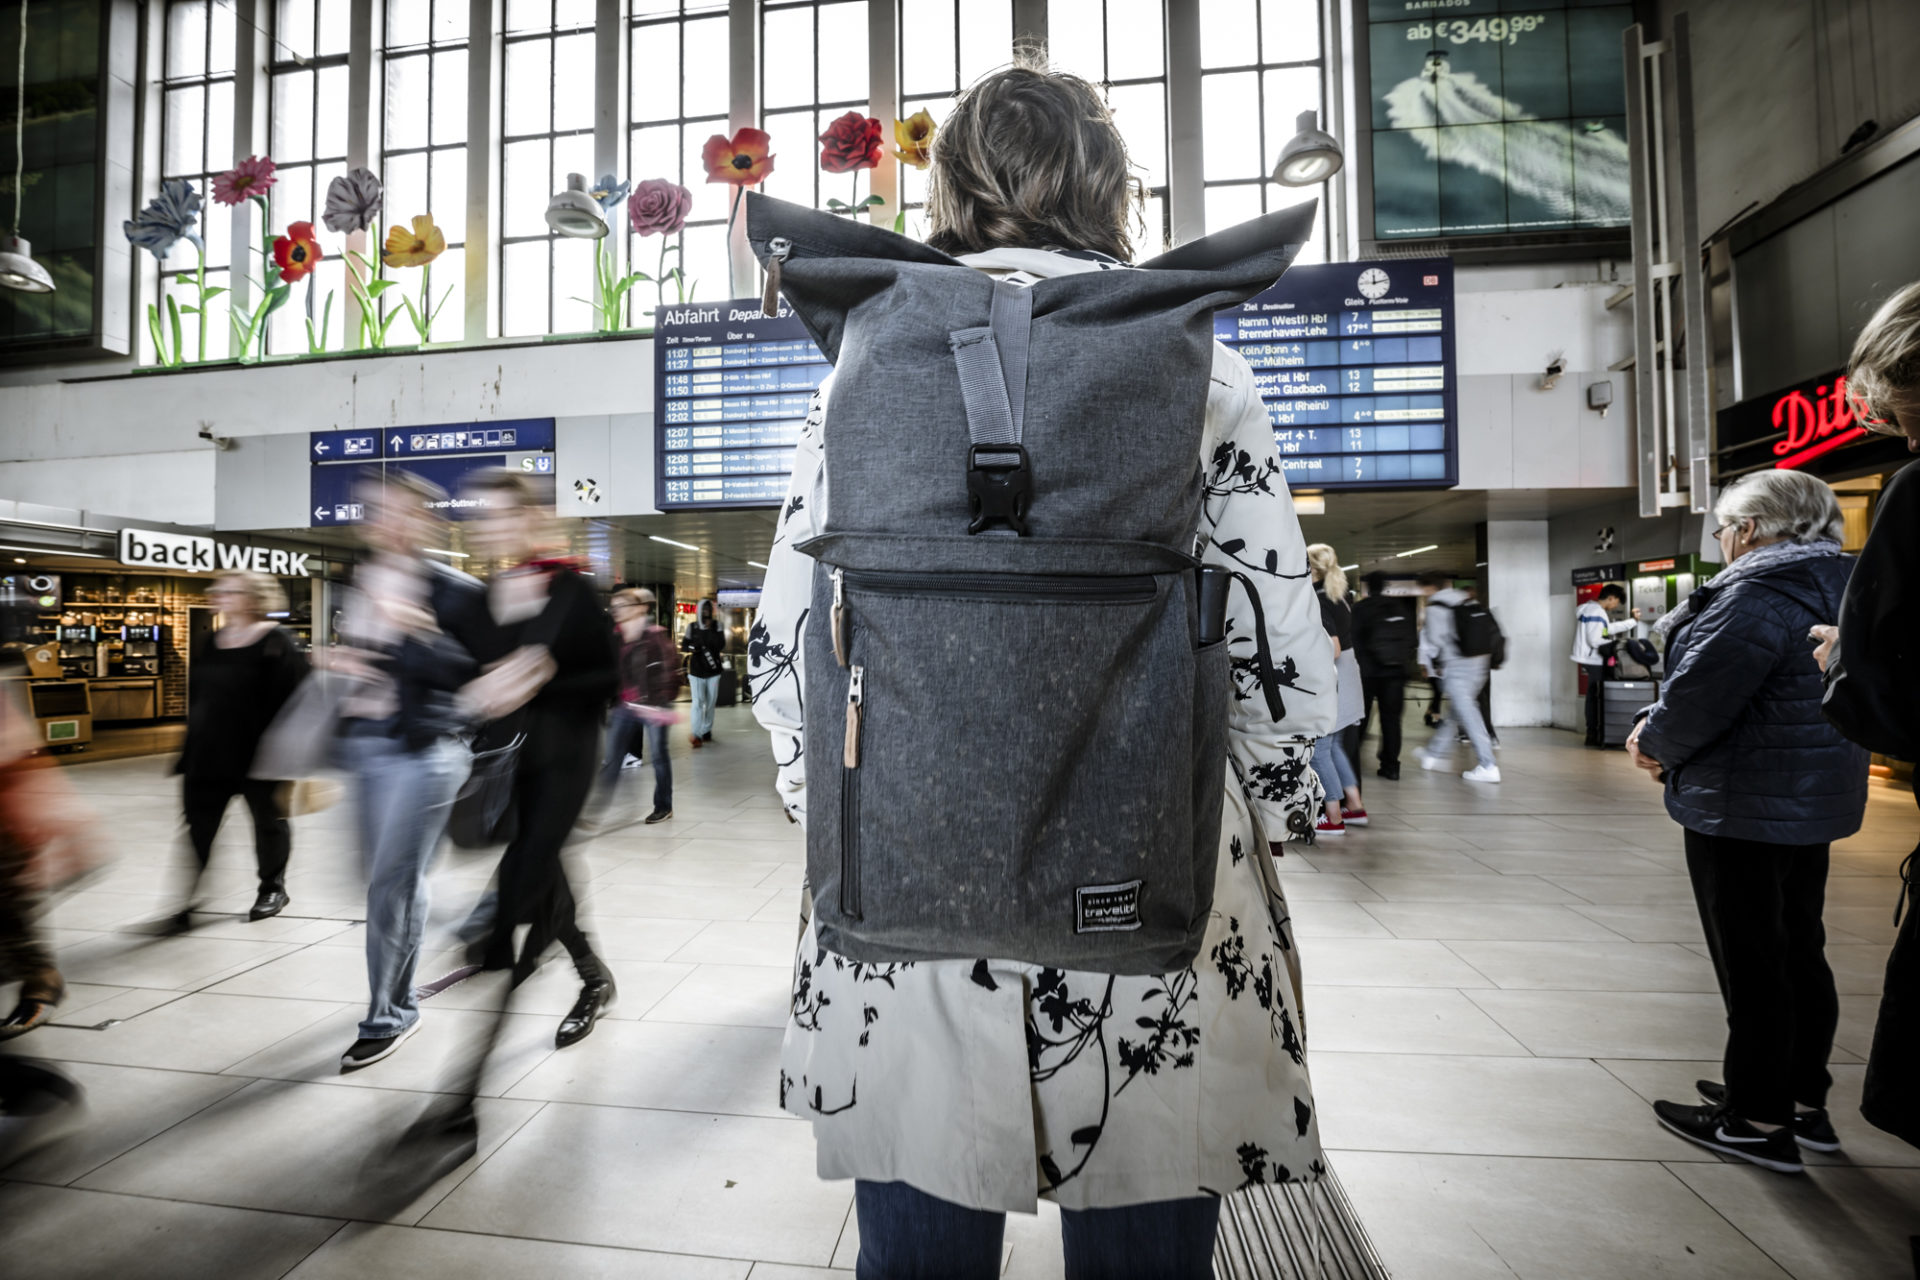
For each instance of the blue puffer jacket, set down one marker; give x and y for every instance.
(1738, 727)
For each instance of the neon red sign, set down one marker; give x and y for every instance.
(1814, 424)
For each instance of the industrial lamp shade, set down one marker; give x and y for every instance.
(18, 270)
(1312, 156)
(574, 212)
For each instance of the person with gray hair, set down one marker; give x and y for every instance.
(1762, 785)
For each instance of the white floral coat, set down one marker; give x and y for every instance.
(990, 1082)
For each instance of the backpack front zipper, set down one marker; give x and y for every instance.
(1034, 588)
(850, 797)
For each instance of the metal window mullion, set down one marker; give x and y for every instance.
(484, 116)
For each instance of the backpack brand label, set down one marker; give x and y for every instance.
(1107, 908)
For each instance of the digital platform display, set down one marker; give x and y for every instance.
(731, 390)
(1497, 117)
(1355, 364)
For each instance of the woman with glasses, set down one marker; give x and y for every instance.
(1762, 785)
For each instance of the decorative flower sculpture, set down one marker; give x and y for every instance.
(742, 160)
(416, 247)
(658, 207)
(851, 143)
(296, 253)
(168, 218)
(914, 139)
(609, 192)
(353, 201)
(250, 178)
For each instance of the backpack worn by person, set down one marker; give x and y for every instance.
(1475, 633)
(1393, 635)
(965, 801)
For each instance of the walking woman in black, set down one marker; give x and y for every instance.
(542, 604)
(242, 675)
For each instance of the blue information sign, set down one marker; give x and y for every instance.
(1355, 364)
(446, 454)
(731, 389)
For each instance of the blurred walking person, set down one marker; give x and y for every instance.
(1386, 638)
(242, 675)
(1459, 675)
(650, 681)
(557, 676)
(706, 645)
(410, 630)
(1344, 807)
(1762, 785)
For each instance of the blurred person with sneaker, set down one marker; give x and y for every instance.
(1459, 675)
(1386, 637)
(1762, 785)
(706, 645)
(1344, 807)
(650, 677)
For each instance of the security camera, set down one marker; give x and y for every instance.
(1556, 365)
(218, 442)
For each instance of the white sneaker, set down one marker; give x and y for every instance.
(1428, 761)
(1484, 773)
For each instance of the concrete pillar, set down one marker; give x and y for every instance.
(1519, 589)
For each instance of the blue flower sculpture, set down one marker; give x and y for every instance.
(609, 193)
(167, 219)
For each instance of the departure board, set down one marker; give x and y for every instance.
(731, 390)
(1354, 361)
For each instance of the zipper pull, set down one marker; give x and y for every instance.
(856, 694)
(778, 250)
(840, 616)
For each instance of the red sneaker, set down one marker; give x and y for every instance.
(697, 744)
(1353, 817)
(1329, 828)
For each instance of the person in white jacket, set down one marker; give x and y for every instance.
(957, 1090)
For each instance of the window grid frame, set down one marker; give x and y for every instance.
(912, 102)
(681, 123)
(815, 104)
(1265, 181)
(429, 51)
(294, 64)
(551, 34)
(202, 178)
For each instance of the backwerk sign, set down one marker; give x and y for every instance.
(148, 549)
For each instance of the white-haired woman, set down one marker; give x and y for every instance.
(242, 675)
(1344, 807)
(1762, 784)
(1872, 695)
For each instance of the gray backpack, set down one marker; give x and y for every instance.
(1017, 746)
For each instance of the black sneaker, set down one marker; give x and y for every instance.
(1811, 1129)
(1718, 1129)
(271, 902)
(659, 815)
(368, 1050)
(1391, 772)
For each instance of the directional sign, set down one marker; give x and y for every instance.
(513, 435)
(343, 446)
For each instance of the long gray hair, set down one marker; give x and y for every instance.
(1030, 159)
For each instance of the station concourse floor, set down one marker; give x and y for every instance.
(1499, 980)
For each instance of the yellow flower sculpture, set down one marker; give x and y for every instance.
(416, 247)
(915, 138)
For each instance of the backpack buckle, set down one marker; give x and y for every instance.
(999, 486)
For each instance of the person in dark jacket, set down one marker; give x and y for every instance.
(1872, 694)
(706, 645)
(650, 677)
(1386, 636)
(410, 628)
(544, 611)
(242, 675)
(1762, 784)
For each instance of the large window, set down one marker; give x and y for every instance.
(308, 132)
(678, 71)
(815, 70)
(1261, 66)
(1120, 45)
(424, 136)
(547, 114)
(196, 131)
(945, 45)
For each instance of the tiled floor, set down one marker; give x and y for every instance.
(1499, 980)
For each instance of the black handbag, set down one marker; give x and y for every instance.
(484, 814)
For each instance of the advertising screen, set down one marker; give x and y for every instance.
(1355, 364)
(731, 388)
(1495, 117)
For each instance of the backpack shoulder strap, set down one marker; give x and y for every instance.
(992, 363)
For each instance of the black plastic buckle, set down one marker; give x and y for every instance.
(999, 486)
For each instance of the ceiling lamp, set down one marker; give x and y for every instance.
(18, 270)
(1312, 156)
(574, 212)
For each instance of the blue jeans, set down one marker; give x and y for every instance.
(404, 798)
(907, 1234)
(1335, 770)
(1462, 681)
(657, 735)
(705, 690)
(623, 732)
